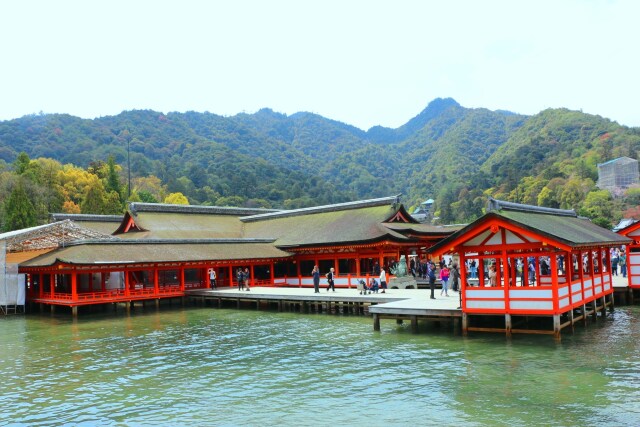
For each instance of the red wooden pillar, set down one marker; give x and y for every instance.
(272, 270)
(156, 281)
(606, 261)
(581, 273)
(555, 284)
(253, 279)
(103, 281)
(41, 287)
(52, 284)
(463, 279)
(126, 283)
(181, 273)
(505, 279)
(568, 275)
(74, 286)
(230, 276)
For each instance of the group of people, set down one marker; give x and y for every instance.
(330, 276)
(243, 278)
(618, 259)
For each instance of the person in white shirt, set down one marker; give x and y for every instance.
(383, 279)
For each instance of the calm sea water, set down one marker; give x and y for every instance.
(204, 366)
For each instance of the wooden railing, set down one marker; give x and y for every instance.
(536, 299)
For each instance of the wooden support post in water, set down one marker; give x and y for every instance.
(556, 327)
(465, 324)
(604, 306)
(414, 324)
(507, 325)
(595, 310)
(611, 306)
(573, 329)
(376, 322)
(157, 303)
(584, 314)
(74, 311)
(399, 321)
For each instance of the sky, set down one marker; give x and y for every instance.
(364, 63)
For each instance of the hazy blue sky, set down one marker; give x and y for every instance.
(364, 63)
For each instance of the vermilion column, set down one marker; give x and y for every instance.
(126, 283)
(555, 284)
(271, 269)
(74, 286)
(52, 284)
(156, 281)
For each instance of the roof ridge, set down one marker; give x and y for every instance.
(136, 207)
(325, 208)
(498, 205)
(156, 241)
(85, 217)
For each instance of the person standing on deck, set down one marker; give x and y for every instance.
(622, 261)
(444, 279)
(493, 276)
(240, 279)
(330, 275)
(383, 280)
(247, 278)
(615, 258)
(455, 277)
(316, 279)
(212, 278)
(431, 272)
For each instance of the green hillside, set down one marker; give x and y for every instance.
(455, 155)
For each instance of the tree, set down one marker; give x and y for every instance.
(19, 211)
(70, 207)
(598, 207)
(94, 200)
(113, 181)
(22, 163)
(176, 199)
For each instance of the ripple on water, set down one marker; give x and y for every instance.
(226, 367)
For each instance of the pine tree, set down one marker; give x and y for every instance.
(19, 211)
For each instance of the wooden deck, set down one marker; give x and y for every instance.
(398, 304)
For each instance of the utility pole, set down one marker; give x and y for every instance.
(128, 135)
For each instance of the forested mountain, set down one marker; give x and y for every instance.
(455, 155)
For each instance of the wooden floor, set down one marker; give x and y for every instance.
(399, 304)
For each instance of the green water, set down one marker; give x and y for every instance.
(204, 366)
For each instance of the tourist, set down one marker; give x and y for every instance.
(373, 285)
(247, 277)
(444, 279)
(376, 268)
(532, 272)
(316, 278)
(614, 263)
(240, 279)
(473, 269)
(330, 276)
(544, 267)
(454, 276)
(622, 262)
(493, 274)
(383, 280)
(212, 278)
(431, 272)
